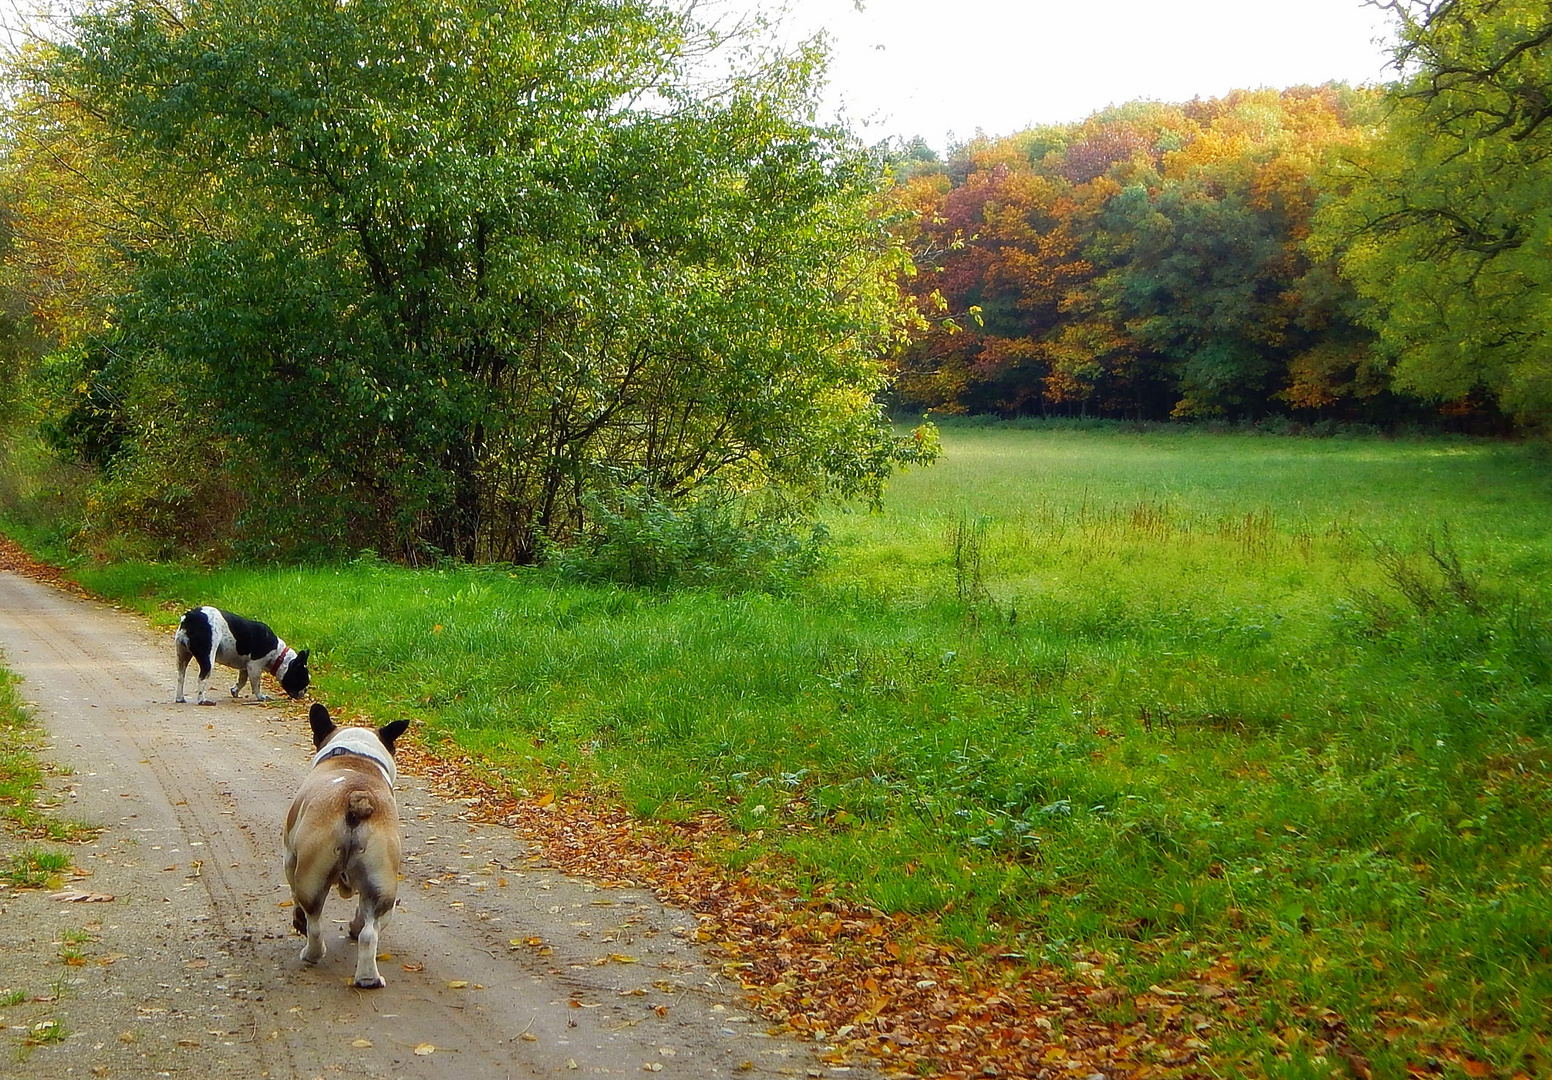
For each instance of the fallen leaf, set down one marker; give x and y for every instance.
(413, 967)
(458, 984)
(621, 958)
(529, 1036)
(76, 896)
(362, 1044)
(545, 799)
(425, 1050)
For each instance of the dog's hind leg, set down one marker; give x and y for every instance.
(306, 910)
(184, 656)
(205, 668)
(309, 920)
(371, 914)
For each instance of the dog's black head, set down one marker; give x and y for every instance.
(324, 728)
(296, 679)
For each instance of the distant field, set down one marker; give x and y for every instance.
(1176, 697)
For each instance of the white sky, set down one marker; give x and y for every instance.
(944, 68)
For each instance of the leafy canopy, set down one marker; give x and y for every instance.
(433, 275)
(1450, 215)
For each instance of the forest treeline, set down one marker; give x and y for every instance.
(1319, 253)
(441, 279)
(1153, 261)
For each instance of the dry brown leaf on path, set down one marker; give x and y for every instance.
(77, 896)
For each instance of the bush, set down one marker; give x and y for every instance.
(718, 541)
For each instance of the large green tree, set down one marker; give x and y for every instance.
(1449, 223)
(438, 272)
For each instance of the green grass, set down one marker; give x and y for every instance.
(34, 868)
(21, 773)
(1164, 695)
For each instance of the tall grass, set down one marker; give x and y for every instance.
(1167, 696)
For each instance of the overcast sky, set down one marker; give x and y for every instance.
(944, 68)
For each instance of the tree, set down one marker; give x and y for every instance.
(445, 271)
(1450, 215)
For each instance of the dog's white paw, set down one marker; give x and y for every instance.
(206, 702)
(180, 700)
(371, 984)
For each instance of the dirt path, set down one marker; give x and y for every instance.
(191, 968)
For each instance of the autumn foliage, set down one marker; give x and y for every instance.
(1149, 262)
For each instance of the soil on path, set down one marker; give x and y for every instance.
(497, 966)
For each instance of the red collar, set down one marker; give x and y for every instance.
(285, 651)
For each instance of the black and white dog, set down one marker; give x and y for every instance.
(212, 636)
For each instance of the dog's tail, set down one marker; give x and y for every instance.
(359, 808)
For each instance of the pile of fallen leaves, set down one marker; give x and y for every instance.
(864, 984)
(15, 559)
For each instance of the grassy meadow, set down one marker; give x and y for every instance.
(1170, 696)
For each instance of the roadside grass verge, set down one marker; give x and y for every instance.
(21, 782)
(1264, 714)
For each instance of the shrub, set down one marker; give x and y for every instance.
(716, 541)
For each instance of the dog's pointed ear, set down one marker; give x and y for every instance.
(302, 656)
(323, 727)
(390, 732)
